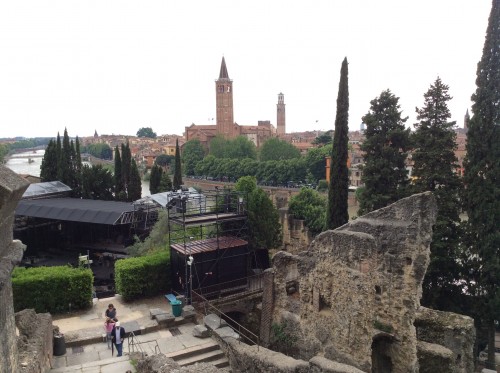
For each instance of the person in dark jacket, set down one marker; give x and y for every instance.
(117, 337)
(111, 312)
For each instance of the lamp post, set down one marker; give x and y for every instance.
(190, 263)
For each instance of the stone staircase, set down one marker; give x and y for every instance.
(209, 352)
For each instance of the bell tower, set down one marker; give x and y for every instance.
(224, 103)
(280, 113)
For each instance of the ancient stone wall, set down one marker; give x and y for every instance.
(359, 287)
(12, 188)
(296, 236)
(445, 338)
(35, 341)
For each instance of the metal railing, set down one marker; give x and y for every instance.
(134, 343)
(229, 289)
(233, 324)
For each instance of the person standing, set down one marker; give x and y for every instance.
(117, 337)
(111, 312)
(109, 324)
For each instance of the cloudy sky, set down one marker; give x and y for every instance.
(116, 66)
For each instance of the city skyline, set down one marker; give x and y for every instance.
(117, 67)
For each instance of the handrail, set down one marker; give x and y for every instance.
(135, 343)
(256, 338)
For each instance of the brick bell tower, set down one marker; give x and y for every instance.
(224, 103)
(280, 112)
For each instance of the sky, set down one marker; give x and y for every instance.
(116, 66)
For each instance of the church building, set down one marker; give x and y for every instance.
(225, 124)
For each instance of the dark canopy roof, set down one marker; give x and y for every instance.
(81, 210)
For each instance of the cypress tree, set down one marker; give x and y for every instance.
(58, 154)
(178, 171)
(165, 183)
(48, 168)
(435, 169)
(64, 170)
(482, 181)
(118, 177)
(336, 213)
(155, 179)
(385, 147)
(126, 165)
(134, 185)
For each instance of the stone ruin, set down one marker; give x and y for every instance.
(26, 337)
(353, 297)
(349, 303)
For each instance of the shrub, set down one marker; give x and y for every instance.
(52, 289)
(309, 205)
(143, 276)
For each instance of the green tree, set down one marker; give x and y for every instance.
(155, 179)
(118, 177)
(164, 160)
(126, 164)
(146, 132)
(99, 150)
(324, 139)
(275, 149)
(178, 171)
(64, 161)
(481, 177)
(336, 213)
(309, 205)
(48, 168)
(97, 183)
(263, 218)
(218, 147)
(240, 148)
(134, 189)
(165, 183)
(316, 162)
(4, 150)
(385, 151)
(434, 169)
(192, 153)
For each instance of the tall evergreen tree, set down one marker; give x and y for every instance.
(385, 147)
(165, 183)
(126, 165)
(336, 213)
(134, 184)
(118, 177)
(482, 181)
(64, 167)
(155, 179)
(48, 168)
(178, 171)
(434, 169)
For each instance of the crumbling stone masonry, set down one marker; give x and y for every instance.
(356, 293)
(12, 188)
(31, 351)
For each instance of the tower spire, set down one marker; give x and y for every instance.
(223, 70)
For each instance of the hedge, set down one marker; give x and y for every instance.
(52, 289)
(143, 276)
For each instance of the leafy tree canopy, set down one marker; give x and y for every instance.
(240, 148)
(324, 138)
(146, 132)
(310, 206)
(275, 149)
(164, 160)
(192, 153)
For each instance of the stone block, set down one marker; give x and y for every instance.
(201, 331)
(153, 312)
(227, 332)
(165, 319)
(214, 322)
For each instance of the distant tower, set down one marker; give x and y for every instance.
(280, 109)
(362, 127)
(95, 134)
(466, 120)
(224, 103)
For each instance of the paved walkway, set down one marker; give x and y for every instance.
(81, 327)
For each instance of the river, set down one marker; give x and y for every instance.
(22, 166)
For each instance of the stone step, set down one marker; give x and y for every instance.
(201, 358)
(115, 361)
(195, 350)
